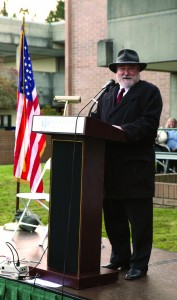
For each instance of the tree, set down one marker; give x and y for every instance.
(8, 93)
(51, 17)
(4, 10)
(60, 10)
(47, 110)
(8, 87)
(58, 14)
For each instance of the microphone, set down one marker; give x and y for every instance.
(110, 83)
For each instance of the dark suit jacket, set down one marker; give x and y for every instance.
(130, 166)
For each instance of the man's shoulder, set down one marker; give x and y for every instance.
(147, 84)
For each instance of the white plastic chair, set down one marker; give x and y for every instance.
(27, 198)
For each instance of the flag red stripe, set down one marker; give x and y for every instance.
(29, 146)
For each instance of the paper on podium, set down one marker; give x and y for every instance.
(58, 124)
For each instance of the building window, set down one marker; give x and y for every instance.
(5, 121)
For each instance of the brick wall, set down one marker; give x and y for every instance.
(85, 26)
(162, 80)
(7, 142)
(166, 190)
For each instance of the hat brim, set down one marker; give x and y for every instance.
(113, 66)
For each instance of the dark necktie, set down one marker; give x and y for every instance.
(120, 95)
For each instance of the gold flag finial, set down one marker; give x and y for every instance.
(24, 11)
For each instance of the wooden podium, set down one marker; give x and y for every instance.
(75, 219)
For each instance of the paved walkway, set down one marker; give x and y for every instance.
(159, 284)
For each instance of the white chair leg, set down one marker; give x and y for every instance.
(41, 242)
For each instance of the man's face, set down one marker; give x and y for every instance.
(127, 75)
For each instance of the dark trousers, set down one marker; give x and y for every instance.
(123, 216)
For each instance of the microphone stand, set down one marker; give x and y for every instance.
(104, 89)
(94, 100)
(100, 93)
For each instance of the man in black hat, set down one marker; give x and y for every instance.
(130, 166)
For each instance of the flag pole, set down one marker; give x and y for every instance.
(24, 11)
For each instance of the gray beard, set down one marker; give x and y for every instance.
(131, 83)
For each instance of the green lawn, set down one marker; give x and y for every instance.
(8, 188)
(165, 220)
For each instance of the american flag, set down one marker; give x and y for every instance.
(29, 145)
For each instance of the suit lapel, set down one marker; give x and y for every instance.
(112, 100)
(125, 100)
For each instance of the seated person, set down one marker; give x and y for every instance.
(167, 140)
(172, 140)
(171, 123)
(160, 146)
(161, 139)
(172, 134)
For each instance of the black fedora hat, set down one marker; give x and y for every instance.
(127, 56)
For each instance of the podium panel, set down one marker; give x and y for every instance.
(76, 206)
(65, 206)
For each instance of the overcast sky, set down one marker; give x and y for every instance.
(38, 9)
